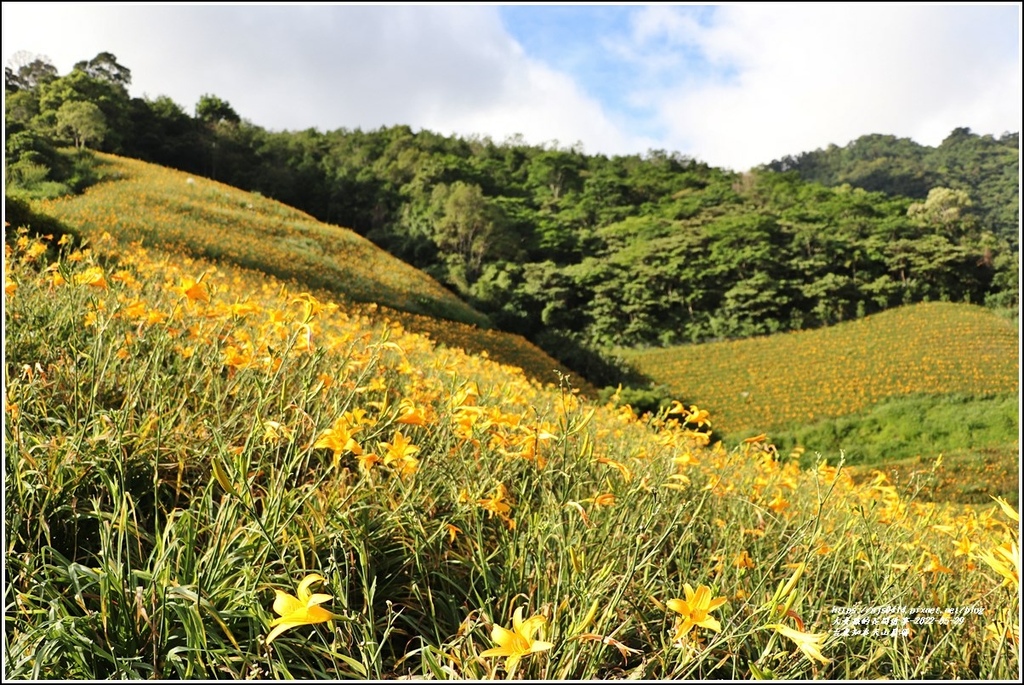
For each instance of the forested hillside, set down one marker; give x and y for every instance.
(578, 252)
(984, 167)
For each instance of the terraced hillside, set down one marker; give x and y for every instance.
(795, 378)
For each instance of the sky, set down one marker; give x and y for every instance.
(732, 85)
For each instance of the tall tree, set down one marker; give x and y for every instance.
(212, 110)
(104, 66)
(25, 71)
(945, 210)
(83, 120)
(465, 229)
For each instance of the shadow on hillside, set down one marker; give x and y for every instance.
(605, 370)
(19, 214)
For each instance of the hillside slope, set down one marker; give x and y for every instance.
(170, 210)
(799, 377)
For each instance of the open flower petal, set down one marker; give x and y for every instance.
(516, 643)
(301, 610)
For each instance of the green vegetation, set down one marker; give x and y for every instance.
(43, 172)
(141, 203)
(971, 476)
(987, 169)
(904, 427)
(187, 444)
(240, 442)
(977, 439)
(155, 206)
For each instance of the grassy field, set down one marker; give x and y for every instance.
(977, 438)
(971, 476)
(211, 473)
(800, 378)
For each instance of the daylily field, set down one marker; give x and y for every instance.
(769, 382)
(212, 473)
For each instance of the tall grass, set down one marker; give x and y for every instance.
(976, 436)
(182, 439)
(904, 427)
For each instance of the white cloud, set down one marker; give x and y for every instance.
(735, 86)
(449, 69)
(809, 76)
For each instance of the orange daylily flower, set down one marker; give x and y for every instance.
(92, 276)
(743, 560)
(496, 504)
(627, 475)
(936, 566)
(698, 417)
(410, 414)
(339, 438)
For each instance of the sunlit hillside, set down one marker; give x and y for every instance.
(763, 383)
(160, 207)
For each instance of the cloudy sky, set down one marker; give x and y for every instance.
(733, 85)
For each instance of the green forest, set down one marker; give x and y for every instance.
(580, 253)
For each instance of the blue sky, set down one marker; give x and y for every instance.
(733, 85)
(593, 44)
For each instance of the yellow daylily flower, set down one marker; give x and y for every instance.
(1007, 508)
(516, 643)
(399, 450)
(92, 276)
(340, 438)
(299, 611)
(1004, 560)
(808, 643)
(410, 414)
(197, 291)
(698, 417)
(964, 546)
(695, 610)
